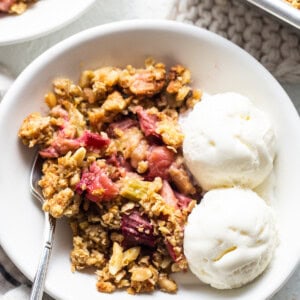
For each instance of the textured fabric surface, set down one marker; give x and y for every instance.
(274, 44)
(13, 284)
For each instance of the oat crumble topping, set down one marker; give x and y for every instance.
(114, 167)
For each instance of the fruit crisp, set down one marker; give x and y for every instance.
(114, 167)
(14, 6)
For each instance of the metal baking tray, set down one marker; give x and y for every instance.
(281, 9)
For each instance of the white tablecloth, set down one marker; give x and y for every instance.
(16, 57)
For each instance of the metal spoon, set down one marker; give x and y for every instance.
(49, 227)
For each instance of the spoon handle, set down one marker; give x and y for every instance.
(39, 280)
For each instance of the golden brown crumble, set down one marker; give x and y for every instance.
(114, 167)
(15, 6)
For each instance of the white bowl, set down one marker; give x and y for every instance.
(217, 66)
(39, 19)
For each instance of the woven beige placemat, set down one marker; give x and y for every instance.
(274, 44)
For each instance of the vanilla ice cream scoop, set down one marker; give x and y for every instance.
(230, 237)
(228, 142)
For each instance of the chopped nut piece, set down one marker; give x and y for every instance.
(116, 260)
(140, 274)
(130, 255)
(105, 287)
(166, 284)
